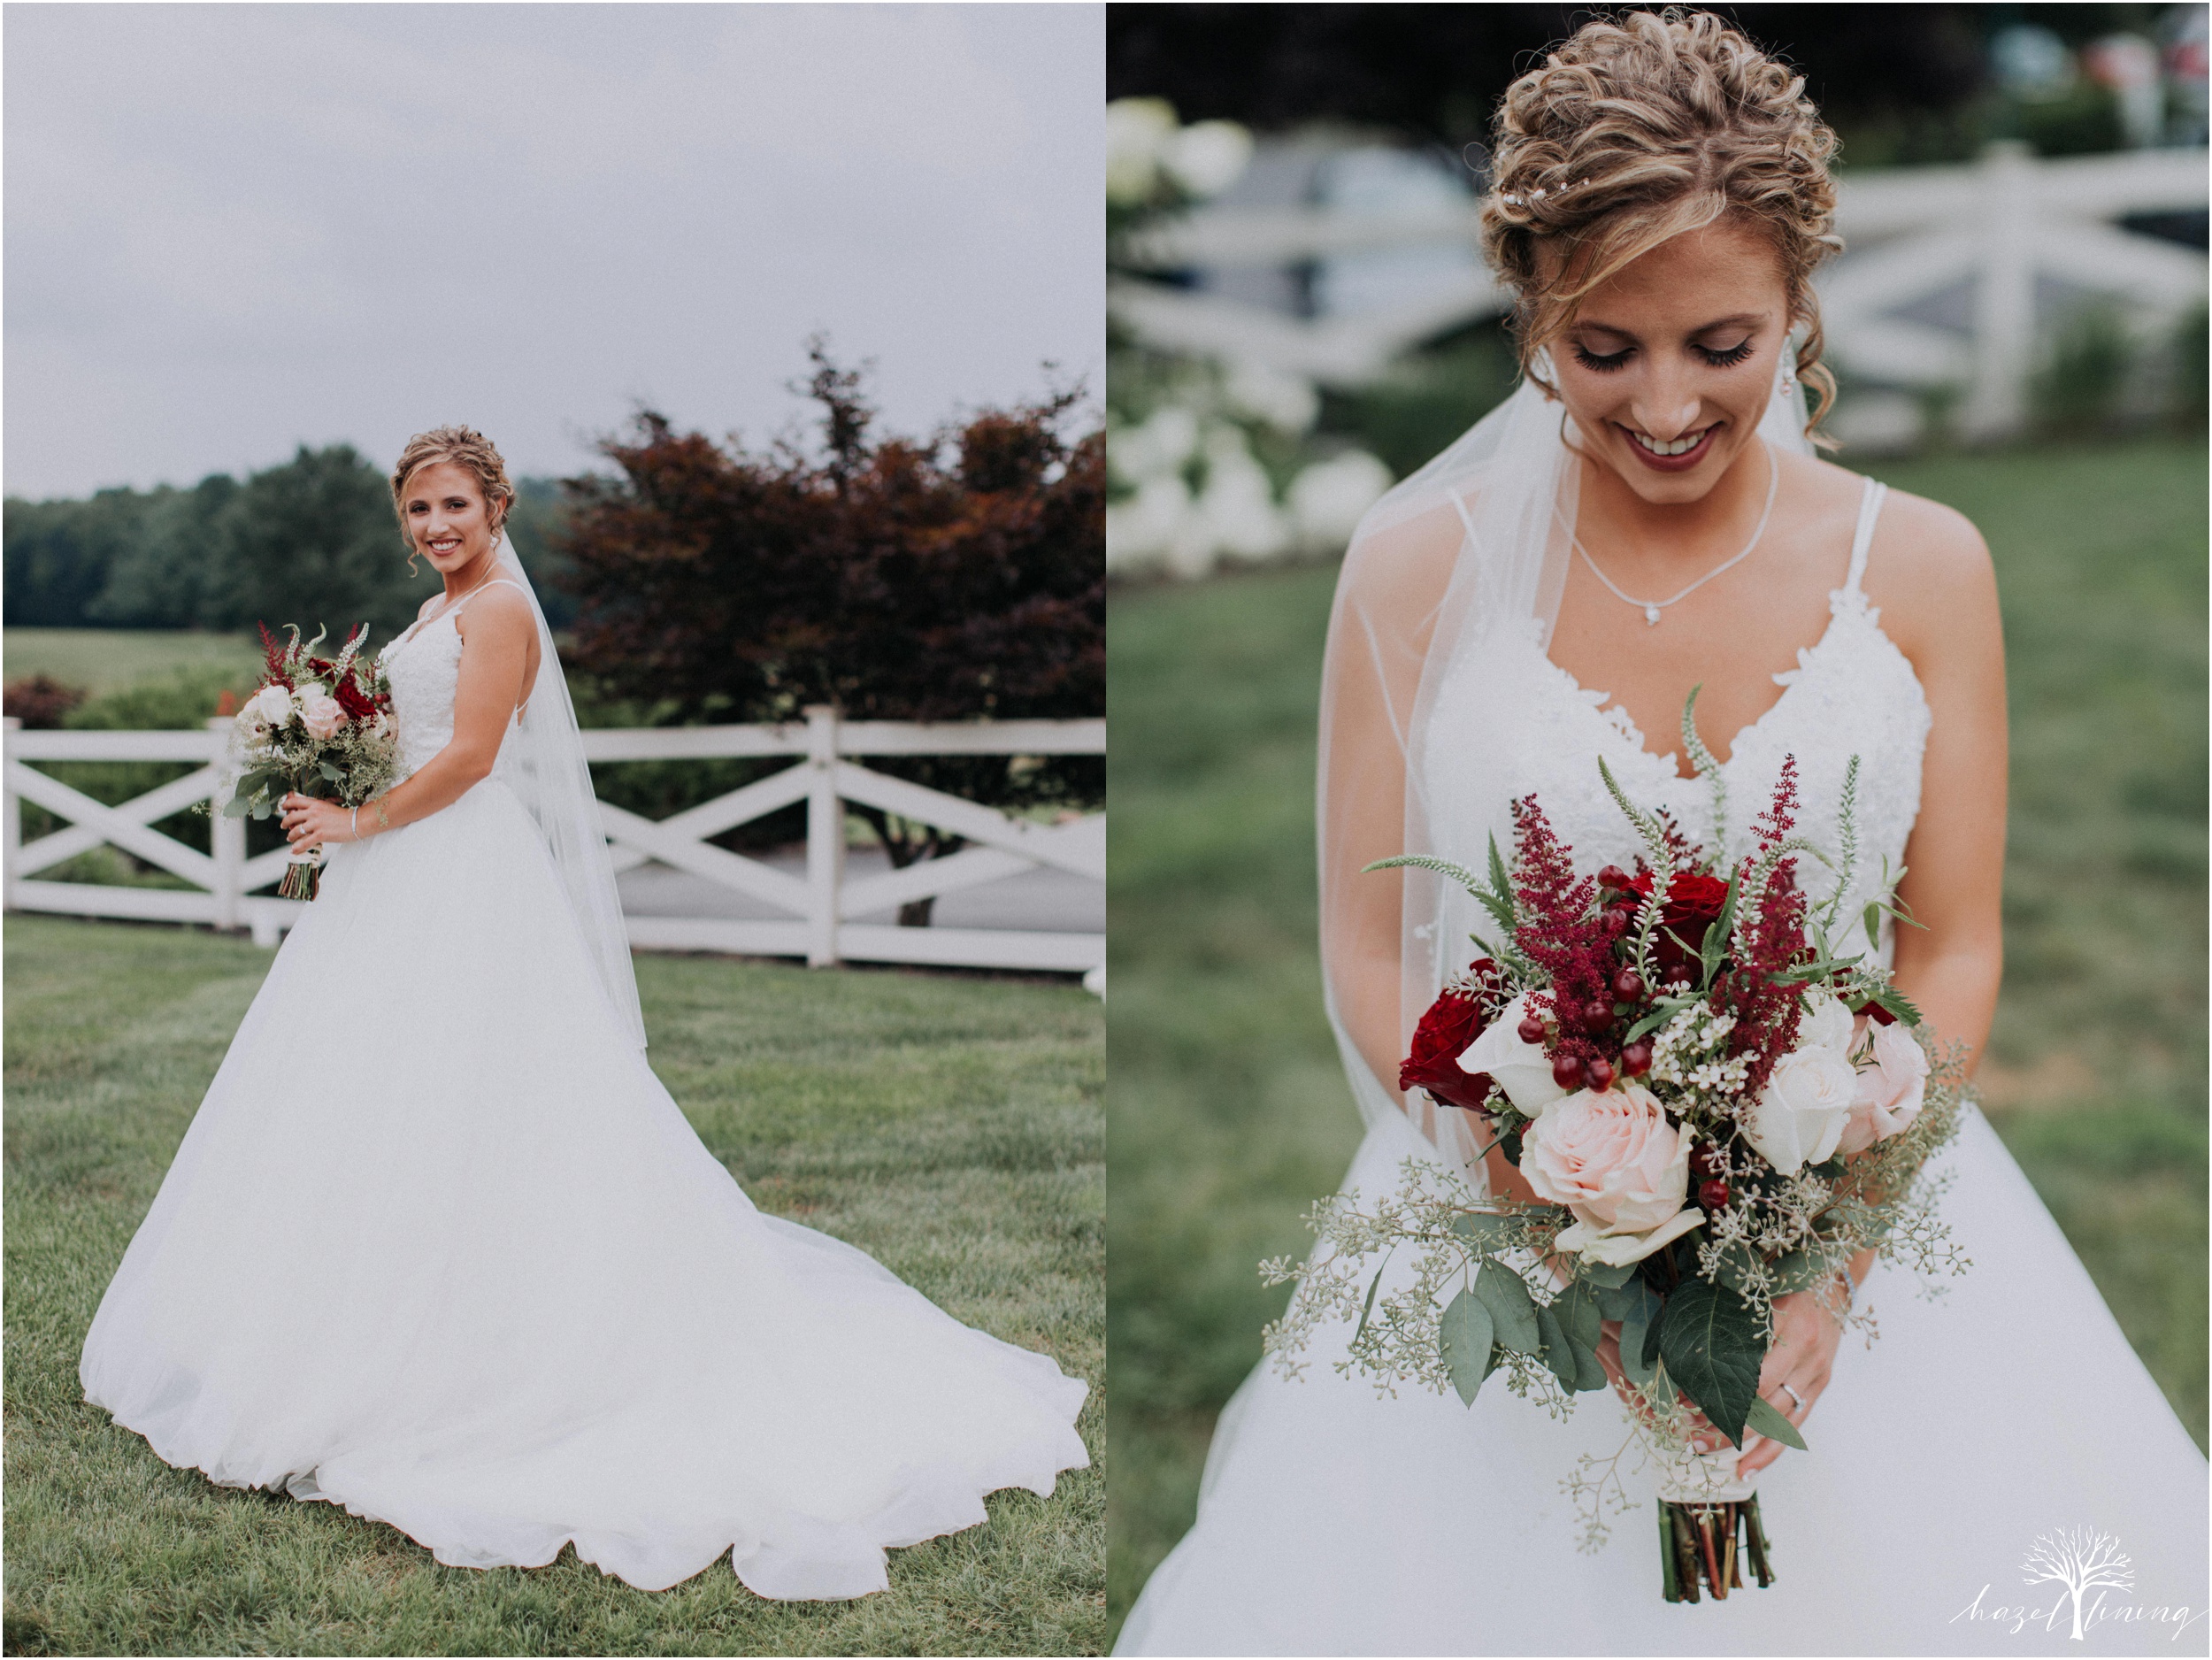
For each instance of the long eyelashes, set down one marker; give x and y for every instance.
(1727, 359)
(1603, 365)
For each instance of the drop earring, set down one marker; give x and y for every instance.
(1789, 375)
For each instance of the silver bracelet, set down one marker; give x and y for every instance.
(357, 836)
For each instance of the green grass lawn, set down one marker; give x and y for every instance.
(949, 1124)
(103, 660)
(1227, 1109)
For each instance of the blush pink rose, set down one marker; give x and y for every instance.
(1611, 1157)
(322, 715)
(1891, 1090)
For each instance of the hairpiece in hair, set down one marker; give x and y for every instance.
(1538, 194)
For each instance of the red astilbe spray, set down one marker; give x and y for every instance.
(1769, 940)
(1560, 930)
(272, 659)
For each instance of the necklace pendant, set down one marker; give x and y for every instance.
(1651, 615)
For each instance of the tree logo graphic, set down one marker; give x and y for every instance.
(2078, 1558)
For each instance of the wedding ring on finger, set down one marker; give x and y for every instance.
(1793, 1396)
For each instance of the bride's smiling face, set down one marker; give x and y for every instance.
(1669, 363)
(446, 519)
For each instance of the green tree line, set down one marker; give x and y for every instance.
(313, 540)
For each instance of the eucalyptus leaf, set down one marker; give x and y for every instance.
(237, 806)
(260, 809)
(1648, 1351)
(334, 773)
(1765, 1418)
(1589, 1371)
(1635, 1330)
(1608, 1273)
(1709, 1342)
(1465, 1336)
(1512, 1311)
(1577, 1309)
(1618, 1303)
(1558, 1353)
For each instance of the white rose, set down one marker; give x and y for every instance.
(1611, 1157)
(1826, 1024)
(323, 716)
(1801, 1115)
(1891, 1090)
(273, 703)
(1522, 1069)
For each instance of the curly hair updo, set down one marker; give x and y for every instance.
(464, 447)
(1637, 130)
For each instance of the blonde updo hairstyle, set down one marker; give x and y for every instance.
(1637, 130)
(464, 447)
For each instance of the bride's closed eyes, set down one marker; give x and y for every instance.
(1718, 357)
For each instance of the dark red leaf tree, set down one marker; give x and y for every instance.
(957, 577)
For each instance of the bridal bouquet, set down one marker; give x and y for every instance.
(318, 726)
(1713, 1110)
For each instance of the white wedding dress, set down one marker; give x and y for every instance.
(440, 1248)
(1334, 1521)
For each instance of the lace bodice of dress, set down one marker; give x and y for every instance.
(1508, 721)
(424, 666)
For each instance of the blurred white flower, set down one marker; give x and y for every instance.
(1138, 132)
(1142, 530)
(1207, 157)
(1159, 446)
(1327, 498)
(1285, 402)
(1238, 503)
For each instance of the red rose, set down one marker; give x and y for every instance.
(353, 701)
(1453, 1021)
(1694, 903)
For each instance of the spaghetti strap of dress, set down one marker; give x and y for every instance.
(1869, 510)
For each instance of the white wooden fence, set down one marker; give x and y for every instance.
(820, 905)
(1998, 225)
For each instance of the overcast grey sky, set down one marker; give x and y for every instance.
(233, 229)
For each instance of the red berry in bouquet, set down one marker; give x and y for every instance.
(1712, 1195)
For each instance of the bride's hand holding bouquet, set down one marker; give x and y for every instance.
(320, 731)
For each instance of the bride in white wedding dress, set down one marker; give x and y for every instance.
(440, 1248)
(1644, 515)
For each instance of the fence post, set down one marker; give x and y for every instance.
(11, 824)
(226, 842)
(825, 837)
(2004, 294)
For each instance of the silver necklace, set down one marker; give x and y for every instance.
(1651, 608)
